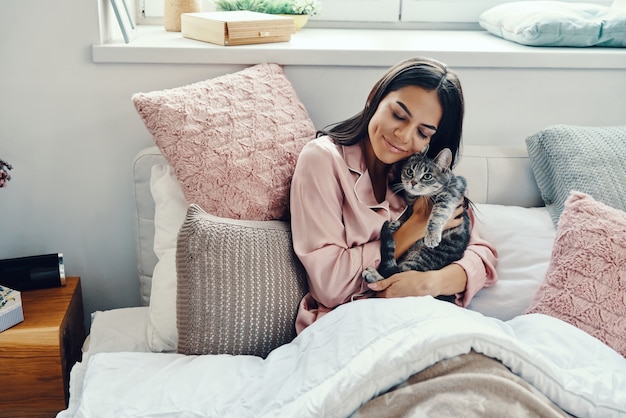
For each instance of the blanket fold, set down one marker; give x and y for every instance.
(356, 353)
(469, 385)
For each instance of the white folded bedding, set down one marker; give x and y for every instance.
(346, 358)
(112, 331)
(118, 330)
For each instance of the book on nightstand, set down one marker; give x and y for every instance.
(11, 312)
(238, 27)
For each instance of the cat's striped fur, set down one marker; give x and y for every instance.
(423, 176)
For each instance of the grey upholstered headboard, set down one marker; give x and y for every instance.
(497, 175)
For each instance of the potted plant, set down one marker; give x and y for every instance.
(299, 10)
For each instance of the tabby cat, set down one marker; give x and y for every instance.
(423, 176)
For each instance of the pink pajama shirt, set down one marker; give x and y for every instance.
(336, 222)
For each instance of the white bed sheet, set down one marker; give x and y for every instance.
(349, 356)
(112, 331)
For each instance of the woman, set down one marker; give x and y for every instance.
(340, 196)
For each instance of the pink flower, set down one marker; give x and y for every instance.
(4, 173)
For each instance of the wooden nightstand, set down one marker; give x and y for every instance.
(36, 355)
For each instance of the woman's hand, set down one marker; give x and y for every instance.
(449, 280)
(457, 217)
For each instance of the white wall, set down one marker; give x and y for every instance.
(69, 128)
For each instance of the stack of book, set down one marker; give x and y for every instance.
(11, 312)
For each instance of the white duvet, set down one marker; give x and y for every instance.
(349, 356)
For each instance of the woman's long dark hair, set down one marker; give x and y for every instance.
(426, 73)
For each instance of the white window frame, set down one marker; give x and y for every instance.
(458, 10)
(359, 10)
(151, 11)
(393, 13)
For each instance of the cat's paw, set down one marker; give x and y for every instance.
(371, 275)
(393, 226)
(431, 240)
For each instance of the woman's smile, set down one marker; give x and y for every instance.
(393, 148)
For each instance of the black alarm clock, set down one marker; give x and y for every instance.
(33, 272)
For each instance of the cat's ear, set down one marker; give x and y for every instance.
(444, 159)
(425, 150)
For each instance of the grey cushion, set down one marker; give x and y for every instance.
(591, 160)
(239, 285)
(556, 23)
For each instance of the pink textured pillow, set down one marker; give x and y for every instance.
(586, 281)
(232, 140)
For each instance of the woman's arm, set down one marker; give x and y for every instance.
(414, 228)
(464, 277)
(320, 238)
(479, 263)
(450, 280)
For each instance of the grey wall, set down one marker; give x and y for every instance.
(69, 128)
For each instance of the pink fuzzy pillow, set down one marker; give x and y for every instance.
(232, 140)
(586, 281)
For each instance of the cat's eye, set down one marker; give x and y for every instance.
(427, 176)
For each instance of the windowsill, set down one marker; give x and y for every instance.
(357, 47)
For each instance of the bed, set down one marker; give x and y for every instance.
(220, 344)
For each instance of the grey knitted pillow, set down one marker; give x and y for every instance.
(239, 285)
(591, 160)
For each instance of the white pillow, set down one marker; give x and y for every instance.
(523, 238)
(556, 23)
(170, 207)
(169, 214)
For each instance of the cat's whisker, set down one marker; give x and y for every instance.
(397, 188)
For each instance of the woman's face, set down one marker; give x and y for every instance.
(404, 123)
